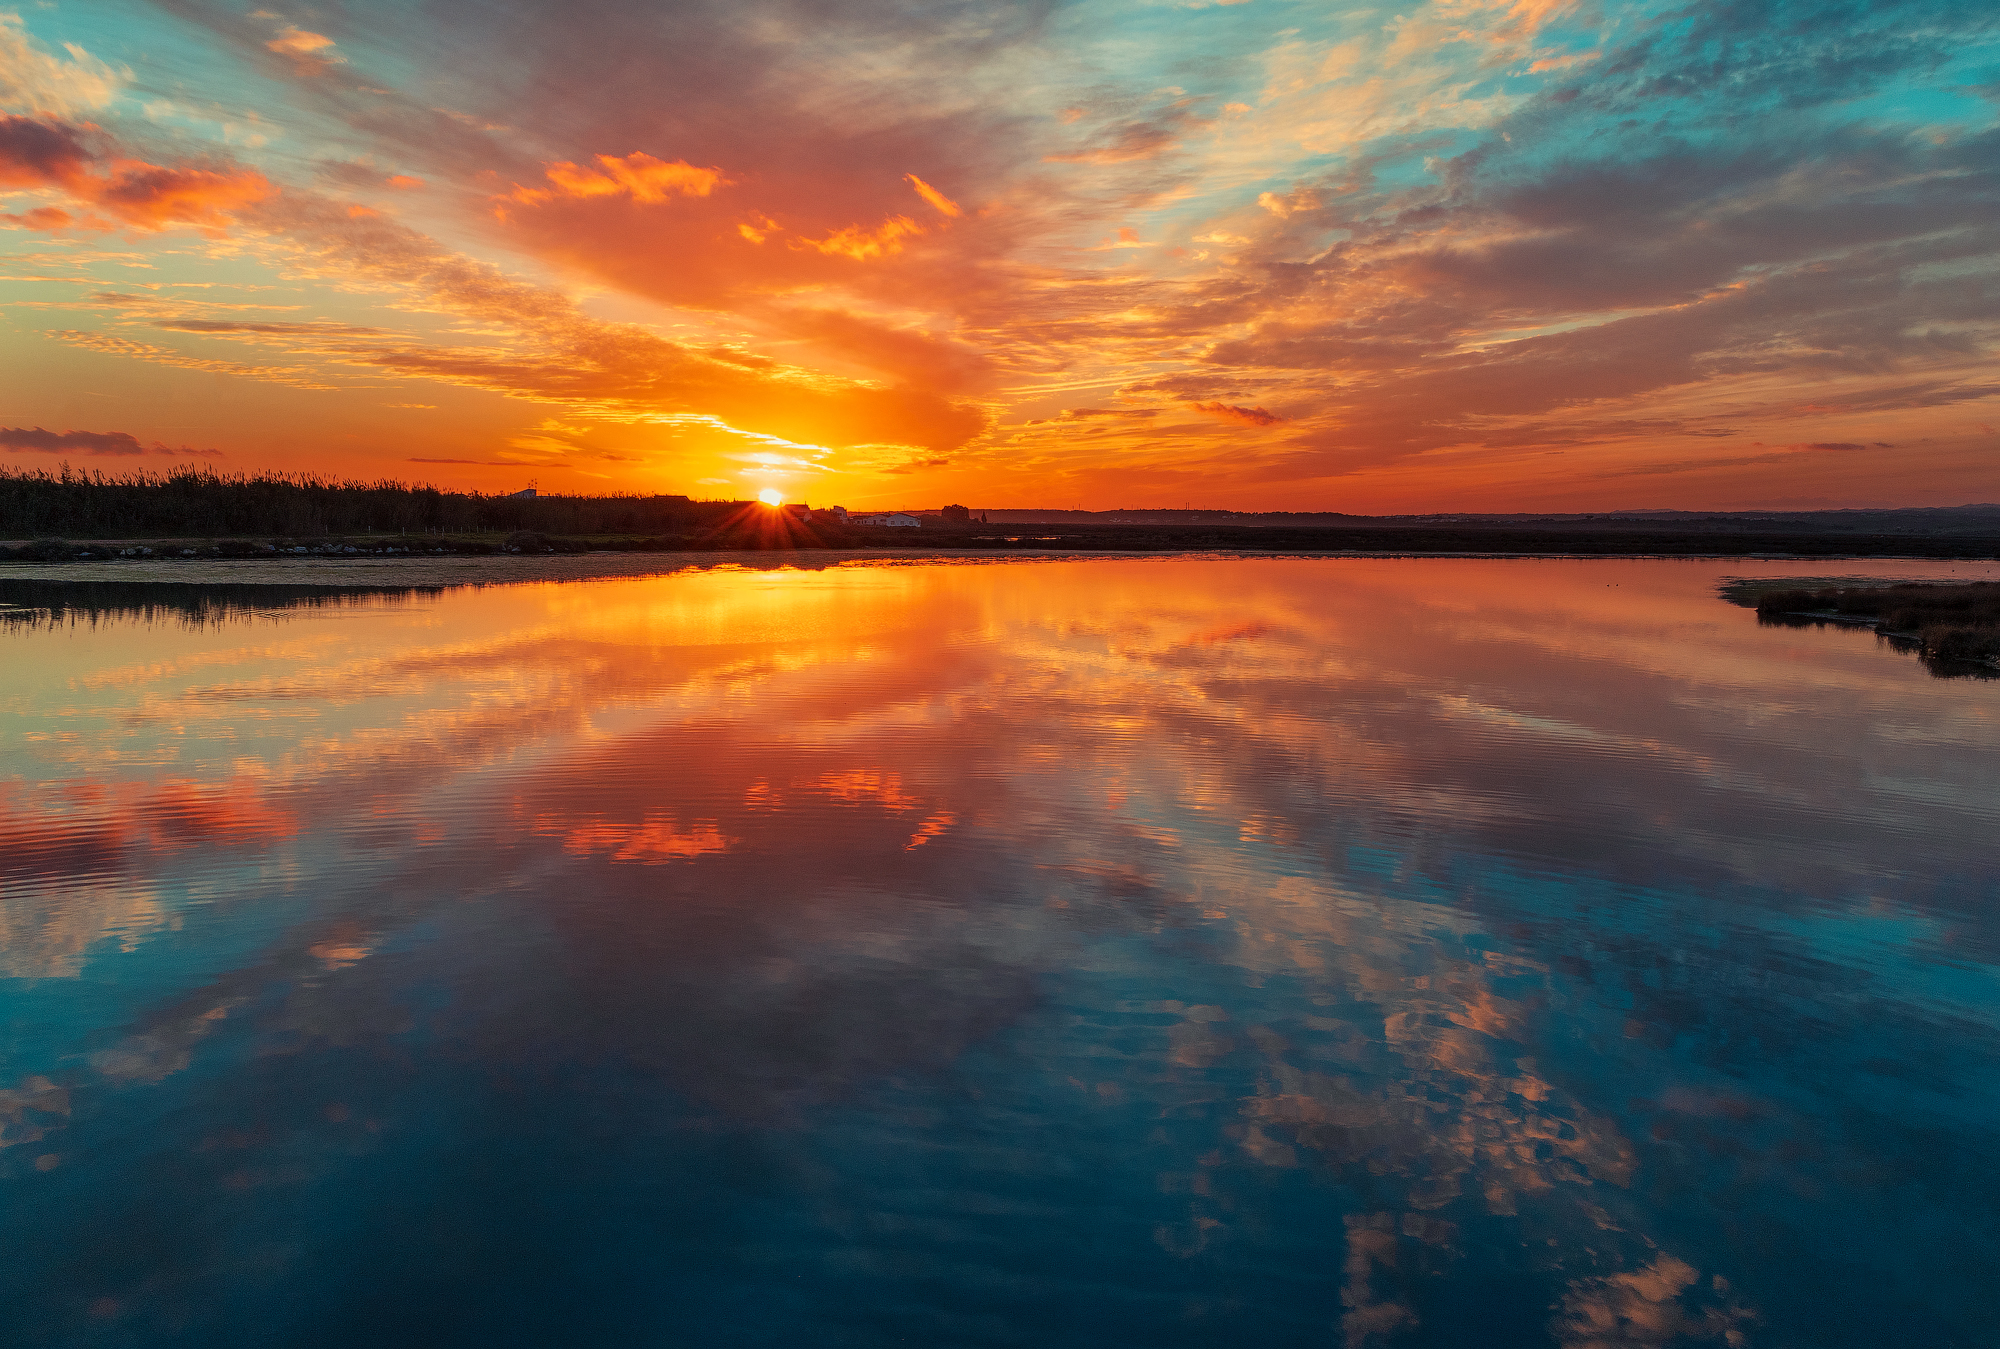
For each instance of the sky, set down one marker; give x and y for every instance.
(1264, 255)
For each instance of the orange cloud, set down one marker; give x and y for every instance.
(44, 218)
(1232, 412)
(560, 355)
(297, 42)
(638, 175)
(855, 242)
(862, 245)
(152, 197)
(37, 153)
(945, 205)
(310, 54)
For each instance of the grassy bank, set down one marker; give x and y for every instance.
(1950, 622)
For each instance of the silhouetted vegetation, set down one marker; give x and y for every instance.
(200, 503)
(1981, 521)
(1947, 622)
(1444, 537)
(211, 515)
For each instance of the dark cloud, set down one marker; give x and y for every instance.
(21, 439)
(33, 152)
(18, 438)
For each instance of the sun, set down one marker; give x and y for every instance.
(771, 496)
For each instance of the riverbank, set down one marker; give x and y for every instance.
(1946, 622)
(779, 534)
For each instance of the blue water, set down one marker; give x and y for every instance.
(1147, 952)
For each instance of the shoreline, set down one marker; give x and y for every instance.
(1036, 540)
(443, 570)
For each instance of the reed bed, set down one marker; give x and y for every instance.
(1949, 622)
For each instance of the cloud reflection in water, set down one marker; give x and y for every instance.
(1164, 951)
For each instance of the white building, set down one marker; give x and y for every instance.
(895, 520)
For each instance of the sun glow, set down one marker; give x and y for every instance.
(771, 496)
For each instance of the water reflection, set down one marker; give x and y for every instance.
(42, 603)
(1151, 952)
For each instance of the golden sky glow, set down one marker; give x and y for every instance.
(1470, 255)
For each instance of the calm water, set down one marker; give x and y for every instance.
(1101, 953)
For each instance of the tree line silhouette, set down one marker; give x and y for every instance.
(199, 502)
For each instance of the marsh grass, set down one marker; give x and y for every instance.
(1959, 622)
